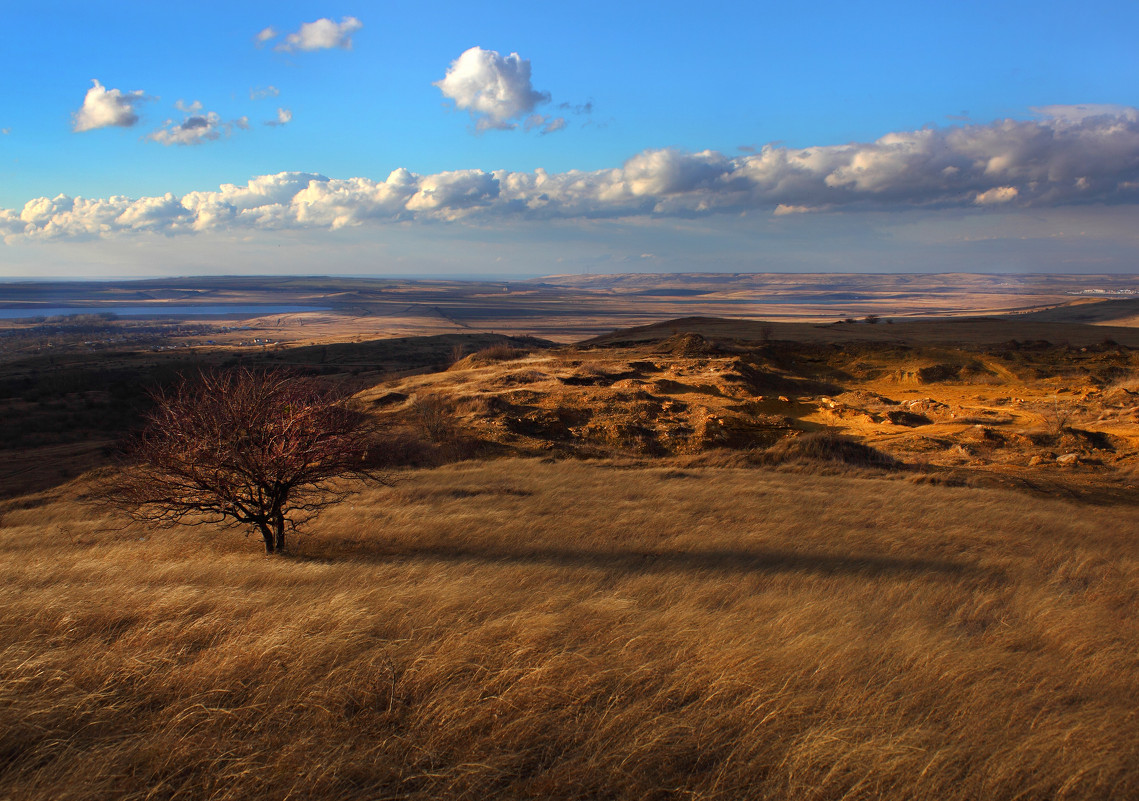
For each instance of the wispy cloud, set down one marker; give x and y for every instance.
(261, 92)
(104, 108)
(545, 124)
(266, 34)
(577, 108)
(323, 34)
(1070, 155)
(495, 89)
(284, 117)
(196, 127)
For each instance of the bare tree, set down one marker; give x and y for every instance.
(267, 449)
(1057, 416)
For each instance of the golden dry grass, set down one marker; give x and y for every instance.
(570, 630)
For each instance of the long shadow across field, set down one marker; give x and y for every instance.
(724, 561)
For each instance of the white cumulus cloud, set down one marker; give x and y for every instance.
(265, 34)
(495, 89)
(323, 34)
(450, 193)
(1063, 159)
(103, 108)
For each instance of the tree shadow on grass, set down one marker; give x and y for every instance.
(723, 561)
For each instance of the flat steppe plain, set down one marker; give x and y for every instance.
(565, 308)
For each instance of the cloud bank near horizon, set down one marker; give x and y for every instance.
(1070, 155)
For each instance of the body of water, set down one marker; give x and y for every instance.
(218, 310)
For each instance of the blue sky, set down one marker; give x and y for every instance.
(622, 137)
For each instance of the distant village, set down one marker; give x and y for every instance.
(1107, 292)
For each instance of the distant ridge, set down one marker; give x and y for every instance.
(1123, 312)
(946, 331)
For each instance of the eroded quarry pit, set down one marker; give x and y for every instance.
(1034, 410)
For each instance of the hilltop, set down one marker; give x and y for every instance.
(997, 410)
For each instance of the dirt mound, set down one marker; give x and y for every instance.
(1121, 396)
(825, 446)
(604, 401)
(763, 379)
(910, 419)
(495, 353)
(687, 344)
(861, 397)
(994, 410)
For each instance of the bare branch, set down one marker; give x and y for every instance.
(246, 447)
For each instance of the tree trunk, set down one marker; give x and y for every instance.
(279, 524)
(267, 535)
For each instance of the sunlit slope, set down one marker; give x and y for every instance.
(1032, 413)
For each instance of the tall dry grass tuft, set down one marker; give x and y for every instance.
(554, 630)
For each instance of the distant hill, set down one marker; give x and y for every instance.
(1123, 312)
(973, 331)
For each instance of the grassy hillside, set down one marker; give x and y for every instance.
(570, 630)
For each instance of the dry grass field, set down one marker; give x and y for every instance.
(551, 629)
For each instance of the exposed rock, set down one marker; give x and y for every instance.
(902, 418)
(925, 405)
(686, 345)
(1097, 440)
(984, 435)
(861, 397)
(930, 374)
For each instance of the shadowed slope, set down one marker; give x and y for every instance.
(969, 331)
